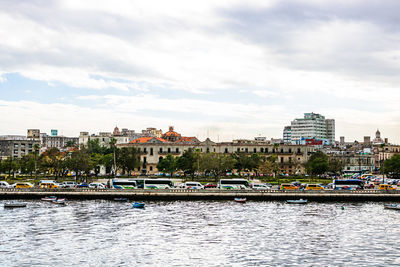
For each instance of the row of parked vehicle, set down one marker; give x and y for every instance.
(53, 184)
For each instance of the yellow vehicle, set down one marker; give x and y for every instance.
(288, 187)
(48, 185)
(314, 187)
(386, 187)
(23, 185)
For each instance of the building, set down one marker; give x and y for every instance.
(378, 140)
(55, 141)
(16, 146)
(152, 149)
(123, 137)
(353, 162)
(33, 134)
(287, 135)
(312, 126)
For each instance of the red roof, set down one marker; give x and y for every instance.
(146, 139)
(188, 139)
(171, 133)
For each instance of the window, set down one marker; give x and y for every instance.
(281, 150)
(151, 151)
(177, 150)
(151, 168)
(145, 150)
(246, 150)
(255, 150)
(290, 150)
(238, 150)
(208, 150)
(144, 159)
(169, 150)
(281, 159)
(266, 150)
(262, 150)
(160, 159)
(160, 149)
(226, 150)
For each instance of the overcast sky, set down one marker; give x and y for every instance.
(223, 69)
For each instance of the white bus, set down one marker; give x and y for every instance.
(124, 184)
(349, 184)
(158, 184)
(234, 184)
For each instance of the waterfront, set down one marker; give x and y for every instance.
(199, 233)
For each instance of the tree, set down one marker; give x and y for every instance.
(245, 162)
(317, 164)
(392, 166)
(187, 162)
(70, 143)
(53, 161)
(79, 162)
(9, 165)
(269, 165)
(169, 164)
(216, 164)
(27, 164)
(335, 165)
(113, 143)
(36, 150)
(128, 159)
(108, 161)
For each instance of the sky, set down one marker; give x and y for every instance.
(219, 69)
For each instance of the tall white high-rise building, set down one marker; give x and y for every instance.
(313, 125)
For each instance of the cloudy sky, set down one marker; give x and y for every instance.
(224, 69)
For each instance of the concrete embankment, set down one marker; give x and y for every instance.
(184, 194)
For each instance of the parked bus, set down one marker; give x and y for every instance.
(124, 184)
(350, 184)
(158, 184)
(234, 184)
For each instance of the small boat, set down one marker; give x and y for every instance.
(50, 199)
(240, 199)
(15, 205)
(138, 205)
(121, 199)
(60, 201)
(392, 206)
(297, 201)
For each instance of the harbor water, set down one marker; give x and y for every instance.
(199, 233)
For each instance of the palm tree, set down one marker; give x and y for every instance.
(113, 143)
(36, 149)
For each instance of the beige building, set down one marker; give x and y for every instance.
(290, 157)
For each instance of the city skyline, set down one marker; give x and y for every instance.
(222, 70)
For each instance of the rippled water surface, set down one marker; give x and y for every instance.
(201, 233)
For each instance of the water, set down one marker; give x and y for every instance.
(202, 233)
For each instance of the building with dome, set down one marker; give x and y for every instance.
(378, 140)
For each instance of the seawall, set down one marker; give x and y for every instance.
(185, 194)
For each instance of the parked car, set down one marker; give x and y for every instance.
(288, 187)
(260, 187)
(69, 184)
(386, 187)
(369, 186)
(96, 186)
(314, 187)
(23, 185)
(82, 185)
(4, 184)
(210, 185)
(193, 185)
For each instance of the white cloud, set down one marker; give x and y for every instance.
(196, 47)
